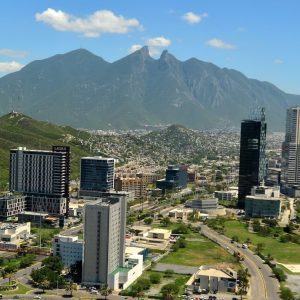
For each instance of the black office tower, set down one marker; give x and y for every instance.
(252, 155)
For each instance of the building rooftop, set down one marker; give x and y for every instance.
(120, 270)
(263, 197)
(159, 230)
(134, 250)
(98, 158)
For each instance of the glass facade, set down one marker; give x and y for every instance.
(252, 156)
(97, 174)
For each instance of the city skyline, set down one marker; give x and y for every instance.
(256, 38)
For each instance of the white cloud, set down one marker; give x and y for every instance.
(10, 66)
(216, 43)
(193, 18)
(159, 41)
(134, 48)
(278, 61)
(12, 53)
(101, 21)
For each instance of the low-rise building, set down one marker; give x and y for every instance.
(11, 205)
(69, 248)
(212, 279)
(123, 277)
(203, 204)
(13, 232)
(263, 202)
(180, 213)
(159, 233)
(226, 195)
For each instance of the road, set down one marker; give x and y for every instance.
(23, 272)
(262, 283)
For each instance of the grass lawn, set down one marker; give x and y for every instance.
(282, 252)
(22, 289)
(199, 251)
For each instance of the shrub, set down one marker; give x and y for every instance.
(155, 278)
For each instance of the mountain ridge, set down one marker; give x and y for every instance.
(83, 90)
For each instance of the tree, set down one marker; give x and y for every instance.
(166, 221)
(105, 291)
(169, 290)
(155, 278)
(76, 271)
(9, 272)
(144, 283)
(235, 238)
(137, 291)
(53, 263)
(243, 281)
(259, 248)
(169, 273)
(180, 229)
(286, 294)
(148, 221)
(44, 284)
(70, 287)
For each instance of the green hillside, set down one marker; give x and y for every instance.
(18, 130)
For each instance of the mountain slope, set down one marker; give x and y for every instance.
(82, 90)
(19, 130)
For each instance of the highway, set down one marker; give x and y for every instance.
(263, 285)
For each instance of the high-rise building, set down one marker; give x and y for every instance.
(291, 148)
(252, 155)
(176, 177)
(104, 239)
(97, 174)
(43, 176)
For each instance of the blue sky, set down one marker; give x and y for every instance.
(257, 37)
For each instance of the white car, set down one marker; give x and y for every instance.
(37, 297)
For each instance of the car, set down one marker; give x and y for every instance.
(94, 292)
(37, 297)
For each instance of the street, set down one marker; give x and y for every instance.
(263, 285)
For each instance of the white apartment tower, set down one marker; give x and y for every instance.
(104, 239)
(291, 148)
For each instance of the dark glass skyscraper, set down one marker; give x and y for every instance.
(252, 155)
(97, 174)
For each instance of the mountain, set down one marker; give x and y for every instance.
(19, 130)
(174, 144)
(83, 90)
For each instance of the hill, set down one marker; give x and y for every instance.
(83, 90)
(19, 130)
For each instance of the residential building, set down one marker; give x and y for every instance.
(69, 248)
(104, 239)
(96, 174)
(264, 202)
(135, 185)
(176, 178)
(291, 148)
(148, 178)
(252, 169)
(43, 177)
(11, 205)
